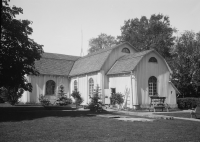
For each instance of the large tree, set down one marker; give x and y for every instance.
(18, 52)
(101, 42)
(154, 33)
(186, 64)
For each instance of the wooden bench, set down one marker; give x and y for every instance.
(157, 103)
(195, 112)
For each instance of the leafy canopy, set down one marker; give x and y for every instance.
(101, 42)
(144, 34)
(186, 64)
(18, 52)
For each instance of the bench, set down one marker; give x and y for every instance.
(195, 112)
(157, 103)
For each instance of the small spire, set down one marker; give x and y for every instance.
(82, 54)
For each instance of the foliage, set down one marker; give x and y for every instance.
(188, 103)
(144, 34)
(95, 103)
(186, 64)
(101, 42)
(11, 95)
(44, 101)
(116, 98)
(18, 52)
(63, 99)
(77, 96)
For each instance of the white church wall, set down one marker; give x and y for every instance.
(83, 84)
(39, 87)
(122, 83)
(144, 71)
(172, 99)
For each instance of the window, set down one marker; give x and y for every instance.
(91, 86)
(125, 50)
(75, 85)
(50, 87)
(152, 85)
(153, 60)
(113, 90)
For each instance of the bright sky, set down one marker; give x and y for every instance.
(57, 24)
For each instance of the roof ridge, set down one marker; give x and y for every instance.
(61, 54)
(130, 57)
(59, 59)
(103, 50)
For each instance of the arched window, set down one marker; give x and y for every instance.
(153, 60)
(91, 86)
(125, 50)
(75, 85)
(50, 87)
(152, 85)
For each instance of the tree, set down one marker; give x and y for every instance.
(18, 52)
(101, 42)
(186, 64)
(77, 96)
(144, 34)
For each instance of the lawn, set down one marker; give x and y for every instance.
(22, 125)
(183, 114)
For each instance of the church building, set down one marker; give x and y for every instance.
(121, 68)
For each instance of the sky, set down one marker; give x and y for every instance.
(64, 26)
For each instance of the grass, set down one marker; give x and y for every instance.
(183, 114)
(74, 126)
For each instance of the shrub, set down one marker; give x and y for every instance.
(116, 98)
(44, 101)
(77, 97)
(63, 99)
(11, 95)
(95, 104)
(188, 103)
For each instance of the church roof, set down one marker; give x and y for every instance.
(55, 64)
(127, 63)
(92, 62)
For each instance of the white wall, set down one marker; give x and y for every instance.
(121, 83)
(39, 85)
(83, 84)
(144, 71)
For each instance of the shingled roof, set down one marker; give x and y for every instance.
(92, 62)
(127, 63)
(55, 64)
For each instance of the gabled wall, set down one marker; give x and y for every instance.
(115, 54)
(144, 71)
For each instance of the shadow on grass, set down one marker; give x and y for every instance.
(31, 113)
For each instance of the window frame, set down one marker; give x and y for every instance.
(50, 91)
(75, 85)
(152, 86)
(153, 60)
(91, 86)
(126, 50)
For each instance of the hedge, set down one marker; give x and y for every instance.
(188, 103)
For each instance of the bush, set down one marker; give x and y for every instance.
(63, 100)
(11, 95)
(188, 103)
(44, 101)
(95, 104)
(116, 98)
(77, 97)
